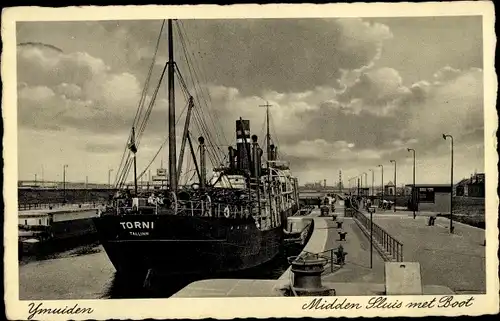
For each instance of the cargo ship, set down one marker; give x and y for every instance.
(233, 221)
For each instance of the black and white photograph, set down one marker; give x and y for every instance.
(341, 161)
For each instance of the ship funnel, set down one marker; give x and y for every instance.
(260, 152)
(203, 169)
(231, 158)
(271, 156)
(243, 144)
(256, 152)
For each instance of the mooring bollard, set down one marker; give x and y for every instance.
(307, 276)
(340, 255)
(334, 217)
(342, 235)
(339, 224)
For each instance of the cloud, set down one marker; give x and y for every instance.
(321, 150)
(445, 74)
(377, 91)
(58, 90)
(333, 106)
(284, 55)
(454, 106)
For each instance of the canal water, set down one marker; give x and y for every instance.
(85, 272)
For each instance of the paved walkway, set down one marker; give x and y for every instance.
(354, 278)
(357, 266)
(453, 260)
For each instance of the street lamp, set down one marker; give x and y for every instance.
(350, 184)
(395, 185)
(413, 190)
(109, 178)
(451, 182)
(64, 182)
(382, 167)
(373, 191)
(366, 179)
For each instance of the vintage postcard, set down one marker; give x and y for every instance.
(250, 161)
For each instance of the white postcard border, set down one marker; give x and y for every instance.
(227, 308)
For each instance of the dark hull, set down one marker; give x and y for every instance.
(59, 235)
(71, 229)
(174, 244)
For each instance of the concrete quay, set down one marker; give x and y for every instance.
(355, 277)
(59, 209)
(456, 261)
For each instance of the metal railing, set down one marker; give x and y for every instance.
(212, 209)
(328, 255)
(39, 206)
(388, 243)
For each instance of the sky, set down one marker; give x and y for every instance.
(346, 94)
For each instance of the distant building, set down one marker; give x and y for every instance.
(389, 189)
(431, 197)
(364, 191)
(471, 187)
(315, 185)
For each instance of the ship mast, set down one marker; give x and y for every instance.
(268, 135)
(135, 160)
(172, 170)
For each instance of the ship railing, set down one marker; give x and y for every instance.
(134, 210)
(212, 209)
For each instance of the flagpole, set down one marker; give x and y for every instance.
(134, 150)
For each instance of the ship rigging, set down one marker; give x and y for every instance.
(233, 221)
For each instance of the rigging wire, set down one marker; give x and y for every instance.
(199, 92)
(138, 137)
(197, 64)
(275, 136)
(197, 118)
(140, 105)
(161, 147)
(202, 111)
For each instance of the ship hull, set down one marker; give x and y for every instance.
(174, 244)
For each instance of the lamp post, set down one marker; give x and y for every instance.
(451, 182)
(382, 167)
(413, 190)
(64, 182)
(366, 180)
(351, 184)
(373, 191)
(395, 185)
(109, 178)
